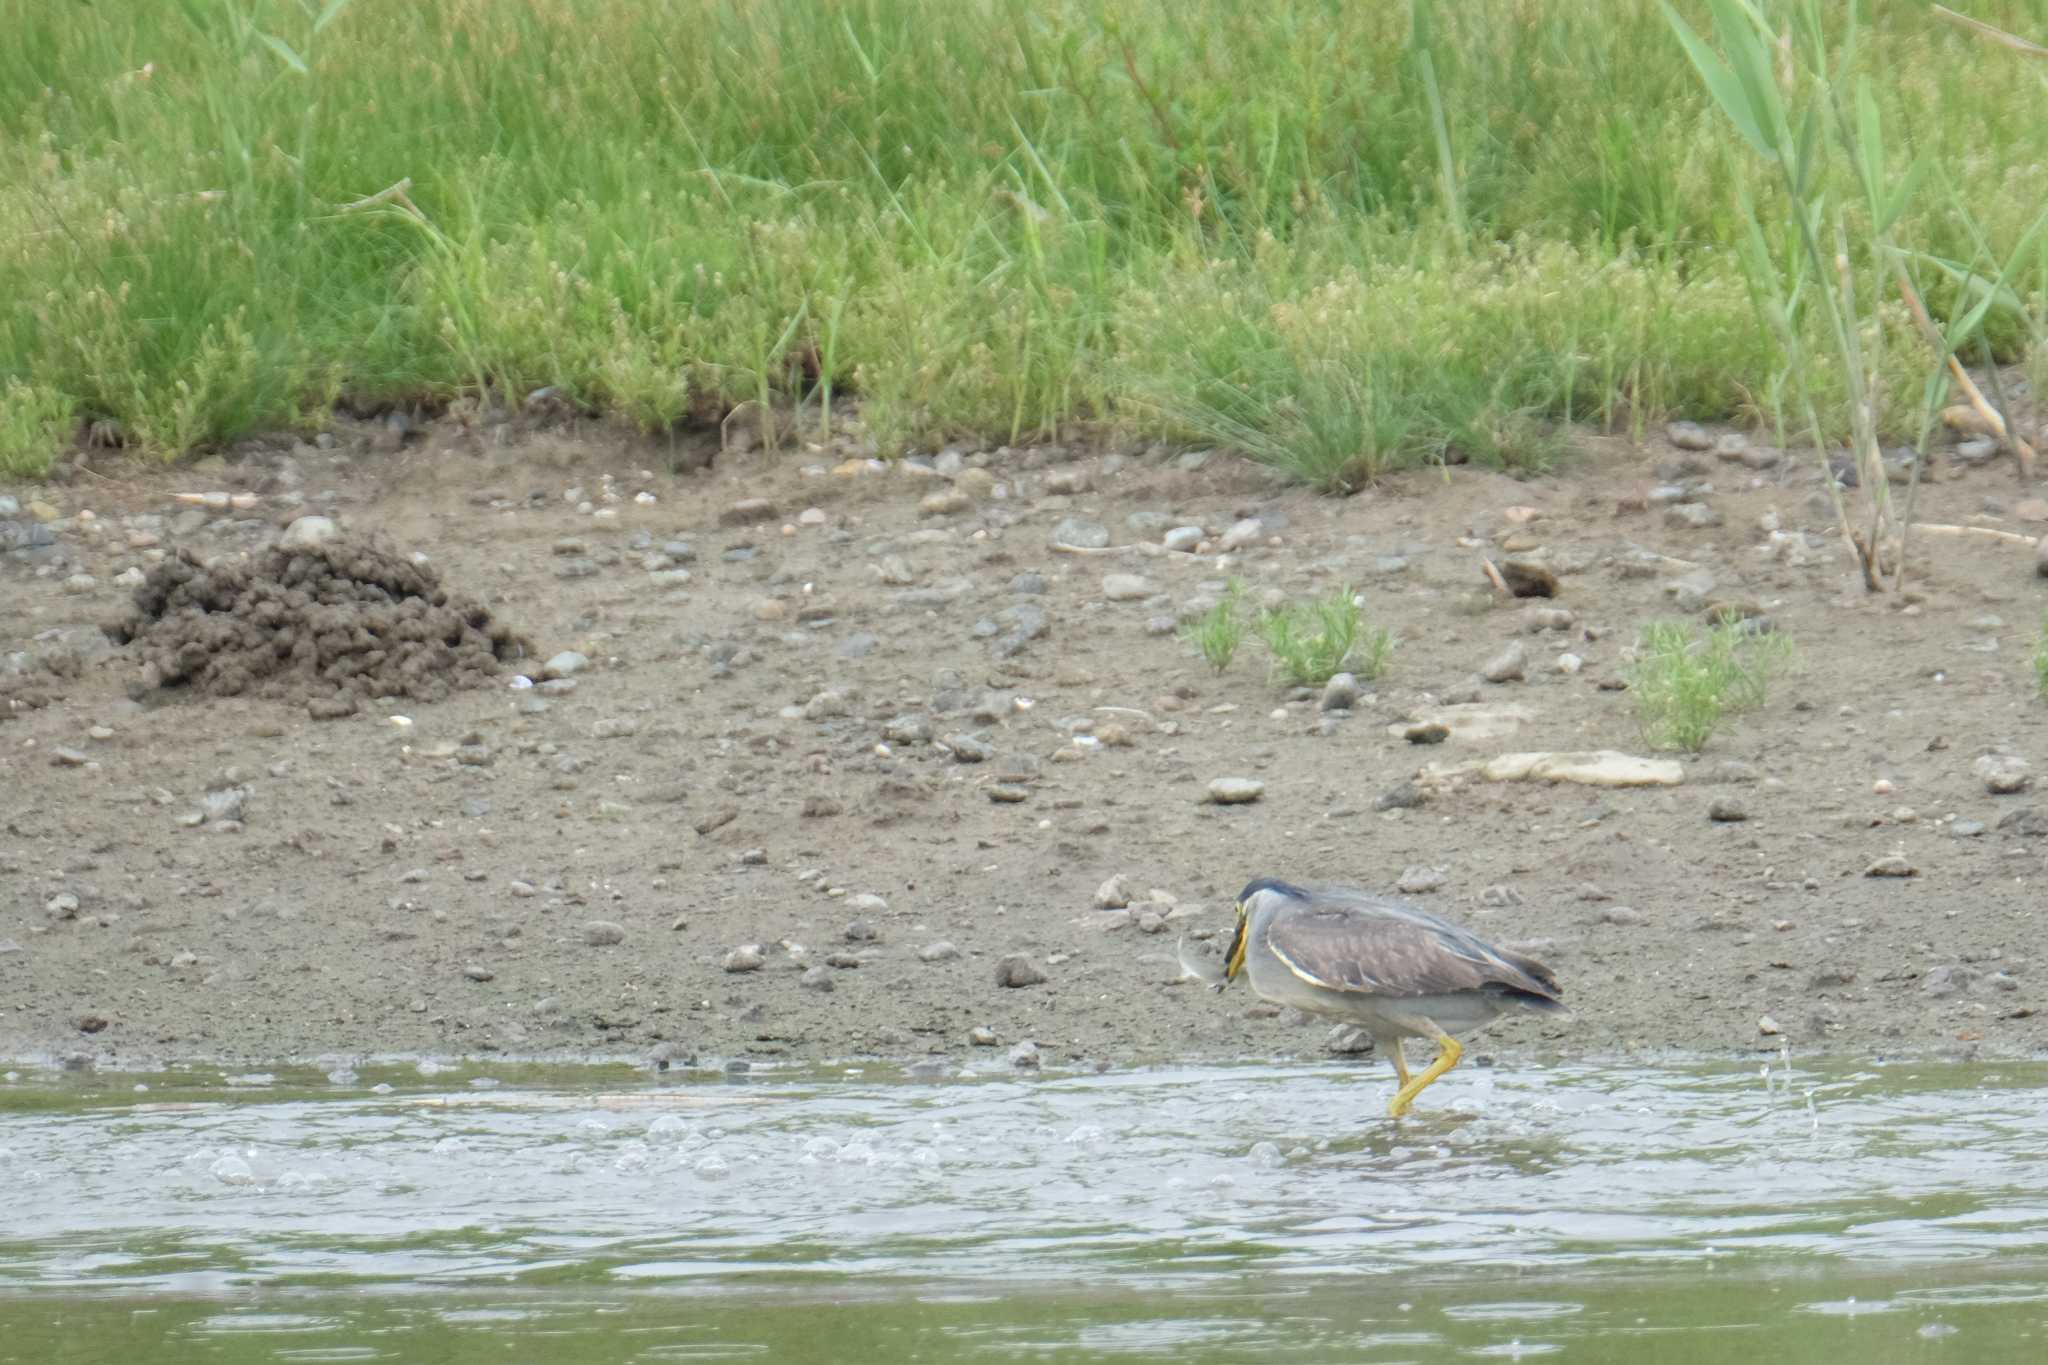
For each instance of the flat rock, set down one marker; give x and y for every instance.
(942, 951)
(1688, 436)
(1235, 791)
(602, 933)
(1080, 534)
(1126, 587)
(1897, 865)
(1592, 768)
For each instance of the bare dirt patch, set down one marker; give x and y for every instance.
(844, 753)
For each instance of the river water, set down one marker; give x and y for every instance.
(409, 1212)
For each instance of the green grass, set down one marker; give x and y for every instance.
(1218, 631)
(1313, 641)
(1684, 680)
(1319, 233)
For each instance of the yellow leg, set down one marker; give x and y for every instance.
(1447, 1058)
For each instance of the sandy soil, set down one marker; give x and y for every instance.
(877, 714)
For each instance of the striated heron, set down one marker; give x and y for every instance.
(1390, 969)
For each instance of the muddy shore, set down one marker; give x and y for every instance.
(837, 743)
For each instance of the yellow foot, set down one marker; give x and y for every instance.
(1448, 1056)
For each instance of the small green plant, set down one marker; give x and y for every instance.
(1685, 682)
(1311, 642)
(1218, 631)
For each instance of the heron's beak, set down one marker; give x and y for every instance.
(1233, 961)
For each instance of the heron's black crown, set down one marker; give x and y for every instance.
(1258, 884)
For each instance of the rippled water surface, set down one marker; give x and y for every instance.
(1220, 1213)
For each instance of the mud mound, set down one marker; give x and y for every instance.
(327, 624)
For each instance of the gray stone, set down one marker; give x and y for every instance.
(1688, 436)
(1024, 1056)
(941, 951)
(603, 933)
(1126, 587)
(1416, 880)
(478, 973)
(981, 1035)
(1081, 534)
(1028, 585)
(968, 749)
(307, 532)
(1691, 516)
(1235, 791)
(1510, 665)
(816, 979)
(1727, 810)
(748, 957)
(1115, 894)
(564, 665)
(1340, 693)
(860, 931)
(1243, 533)
(224, 803)
(2002, 774)
(1018, 970)
(1183, 539)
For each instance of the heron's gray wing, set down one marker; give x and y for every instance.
(1383, 949)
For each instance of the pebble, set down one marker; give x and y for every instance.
(941, 951)
(747, 512)
(1243, 533)
(1894, 866)
(1183, 539)
(2002, 774)
(1529, 578)
(1126, 587)
(306, 532)
(816, 979)
(1693, 516)
(748, 957)
(981, 1035)
(1538, 619)
(944, 503)
(80, 583)
(1768, 1027)
(1688, 436)
(63, 905)
(1081, 534)
(1727, 810)
(1340, 693)
(563, 665)
(1018, 970)
(1510, 665)
(1406, 796)
(1416, 880)
(968, 749)
(860, 931)
(1024, 1056)
(1114, 894)
(1235, 791)
(615, 727)
(68, 758)
(475, 973)
(602, 933)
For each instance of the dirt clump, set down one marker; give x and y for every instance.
(327, 624)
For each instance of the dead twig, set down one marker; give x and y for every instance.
(1987, 32)
(1500, 585)
(1988, 532)
(2023, 452)
(386, 195)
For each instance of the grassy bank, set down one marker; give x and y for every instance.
(1309, 229)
